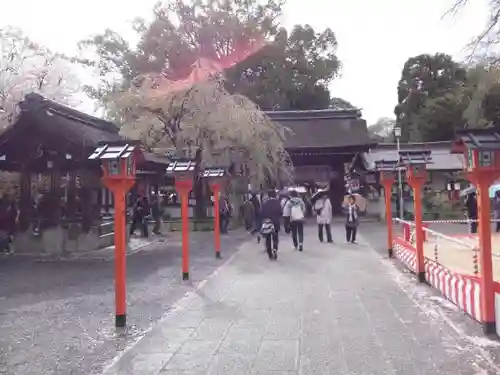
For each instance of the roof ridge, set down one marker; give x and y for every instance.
(328, 113)
(35, 102)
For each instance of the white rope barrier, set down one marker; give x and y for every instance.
(439, 239)
(457, 221)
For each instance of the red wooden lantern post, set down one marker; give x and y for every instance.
(386, 169)
(481, 149)
(415, 163)
(215, 176)
(183, 170)
(118, 163)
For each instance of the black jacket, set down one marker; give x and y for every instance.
(471, 204)
(271, 209)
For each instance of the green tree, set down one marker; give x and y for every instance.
(491, 104)
(339, 103)
(291, 71)
(424, 78)
(440, 116)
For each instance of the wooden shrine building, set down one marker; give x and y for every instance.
(322, 144)
(60, 195)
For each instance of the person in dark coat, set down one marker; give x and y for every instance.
(257, 216)
(471, 205)
(224, 214)
(271, 211)
(248, 213)
(146, 211)
(156, 214)
(139, 216)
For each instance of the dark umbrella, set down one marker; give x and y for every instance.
(317, 195)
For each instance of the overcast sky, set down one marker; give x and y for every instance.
(375, 37)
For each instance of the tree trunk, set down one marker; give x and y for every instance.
(200, 209)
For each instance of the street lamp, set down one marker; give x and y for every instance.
(397, 134)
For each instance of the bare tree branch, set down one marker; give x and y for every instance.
(455, 9)
(27, 67)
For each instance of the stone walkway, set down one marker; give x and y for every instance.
(333, 309)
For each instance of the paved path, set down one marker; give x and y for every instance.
(57, 318)
(333, 309)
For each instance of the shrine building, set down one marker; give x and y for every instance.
(323, 145)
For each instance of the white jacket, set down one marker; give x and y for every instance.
(325, 217)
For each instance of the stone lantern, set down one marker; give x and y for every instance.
(481, 151)
(118, 162)
(183, 171)
(415, 163)
(387, 168)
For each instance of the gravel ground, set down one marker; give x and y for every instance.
(57, 317)
(375, 233)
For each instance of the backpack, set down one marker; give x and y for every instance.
(319, 208)
(296, 213)
(267, 227)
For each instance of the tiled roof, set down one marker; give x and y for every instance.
(441, 156)
(323, 128)
(63, 127)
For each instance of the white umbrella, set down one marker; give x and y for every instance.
(318, 194)
(298, 189)
(467, 191)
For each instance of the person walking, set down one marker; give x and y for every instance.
(285, 198)
(156, 214)
(136, 216)
(352, 219)
(323, 210)
(139, 216)
(248, 213)
(471, 205)
(294, 211)
(225, 214)
(257, 224)
(145, 212)
(271, 217)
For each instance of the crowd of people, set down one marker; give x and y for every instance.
(267, 215)
(142, 211)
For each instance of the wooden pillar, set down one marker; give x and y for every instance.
(216, 191)
(387, 181)
(483, 182)
(25, 201)
(71, 208)
(54, 216)
(183, 187)
(416, 180)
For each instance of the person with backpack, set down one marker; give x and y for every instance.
(323, 210)
(271, 217)
(295, 210)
